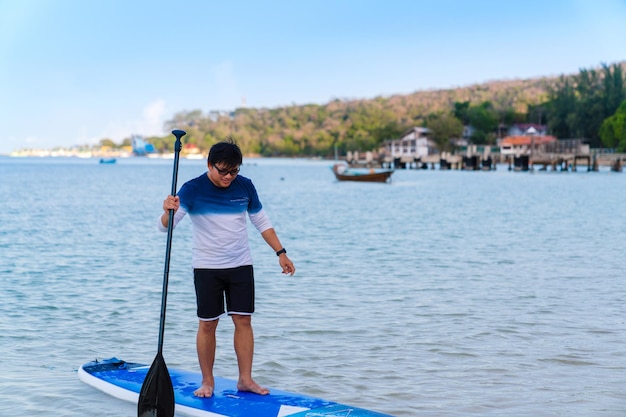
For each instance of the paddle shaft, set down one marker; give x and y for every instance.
(170, 228)
(156, 398)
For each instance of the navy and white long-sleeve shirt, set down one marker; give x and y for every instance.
(218, 216)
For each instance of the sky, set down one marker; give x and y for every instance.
(74, 72)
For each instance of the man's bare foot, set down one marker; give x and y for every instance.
(205, 391)
(253, 387)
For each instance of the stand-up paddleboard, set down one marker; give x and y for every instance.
(124, 380)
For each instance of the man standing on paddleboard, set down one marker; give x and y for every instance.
(217, 203)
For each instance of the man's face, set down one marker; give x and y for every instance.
(221, 175)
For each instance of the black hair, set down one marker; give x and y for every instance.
(226, 152)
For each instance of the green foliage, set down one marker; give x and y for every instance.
(484, 119)
(108, 142)
(443, 128)
(613, 130)
(461, 111)
(562, 104)
(579, 105)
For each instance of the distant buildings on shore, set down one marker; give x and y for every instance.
(189, 152)
(138, 147)
(414, 144)
(77, 152)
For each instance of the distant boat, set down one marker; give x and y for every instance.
(140, 146)
(345, 173)
(107, 160)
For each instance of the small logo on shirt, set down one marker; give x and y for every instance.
(241, 201)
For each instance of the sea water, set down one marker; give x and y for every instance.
(444, 293)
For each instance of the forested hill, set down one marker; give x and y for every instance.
(362, 124)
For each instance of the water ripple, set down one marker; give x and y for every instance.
(441, 294)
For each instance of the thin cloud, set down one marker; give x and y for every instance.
(154, 117)
(226, 86)
(150, 124)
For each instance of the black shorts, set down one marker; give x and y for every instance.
(236, 285)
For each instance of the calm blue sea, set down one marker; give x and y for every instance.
(444, 293)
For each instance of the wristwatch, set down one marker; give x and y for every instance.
(280, 252)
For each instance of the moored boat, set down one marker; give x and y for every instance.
(345, 173)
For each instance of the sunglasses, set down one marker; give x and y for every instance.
(224, 172)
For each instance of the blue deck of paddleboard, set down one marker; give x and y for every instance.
(124, 380)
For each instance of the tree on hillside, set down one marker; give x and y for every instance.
(108, 142)
(484, 120)
(590, 107)
(614, 86)
(561, 107)
(578, 106)
(461, 111)
(444, 127)
(537, 113)
(613, 130)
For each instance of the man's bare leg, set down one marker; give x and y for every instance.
(244, 348)
(205, 344)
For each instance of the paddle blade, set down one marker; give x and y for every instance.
(156, 398)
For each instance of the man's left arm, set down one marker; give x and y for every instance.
(272, 240)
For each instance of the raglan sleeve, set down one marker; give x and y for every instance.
(257, 215)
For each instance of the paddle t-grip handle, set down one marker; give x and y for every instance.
(177, 148)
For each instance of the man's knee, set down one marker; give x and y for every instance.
(241, 319)
(207, 326)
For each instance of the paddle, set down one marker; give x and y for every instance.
(156, 398)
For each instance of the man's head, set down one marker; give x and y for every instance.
(226, 154)
(223, 162)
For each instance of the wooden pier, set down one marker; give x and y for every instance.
(567, 155)
(556, 162)
(567, 162)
